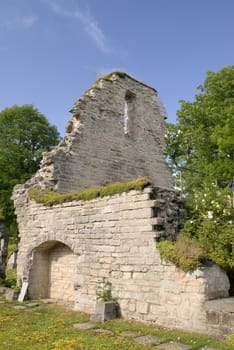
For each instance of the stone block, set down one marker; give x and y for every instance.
(105, 310)
(148, 340)
(84, 326)
(142, 307)
(172, 346)
(11, 294)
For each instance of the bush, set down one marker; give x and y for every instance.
(211, 222)
(11, 280)
(185, 253)
(230, 340)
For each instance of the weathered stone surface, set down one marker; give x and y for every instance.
(84, 326)
(12, 261)
(172, 346)
(19, 307)
(130, 334)
(69, 263)
(103, 331)
(148, 339)
(105, 310)
(32, 305)
(11, 294)
(110, 137)
(220, 316)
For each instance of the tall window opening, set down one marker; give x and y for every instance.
(127, 111)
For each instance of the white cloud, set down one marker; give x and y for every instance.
(90, 25)
(93, 30)
(20, 22)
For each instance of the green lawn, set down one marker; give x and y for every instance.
(50, 327)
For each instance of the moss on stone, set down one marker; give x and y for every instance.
(49, 197)
(122, 75)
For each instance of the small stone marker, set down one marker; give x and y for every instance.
(84, 326)
(105, 310)
(23, 291)
(172, 346)
(148, 339)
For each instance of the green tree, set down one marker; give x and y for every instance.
(24, 134)
(201, 144)
(201, 153)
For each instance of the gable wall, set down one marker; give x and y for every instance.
(99, 148)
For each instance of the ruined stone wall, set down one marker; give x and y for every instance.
(116, 133)
(115, 238)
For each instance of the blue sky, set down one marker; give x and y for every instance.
(51, 51)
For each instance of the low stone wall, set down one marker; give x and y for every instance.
(220, 317)
(114, 238)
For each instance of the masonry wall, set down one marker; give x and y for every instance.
(115, 238)
(116, 133)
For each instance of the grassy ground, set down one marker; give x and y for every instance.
(50, 327)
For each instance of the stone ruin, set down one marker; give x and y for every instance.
(116, 133)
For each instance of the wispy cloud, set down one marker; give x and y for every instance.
(24, 22)
(88, 22)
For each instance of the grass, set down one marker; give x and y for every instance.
(11, 280)
(49, 198)
(50, 327)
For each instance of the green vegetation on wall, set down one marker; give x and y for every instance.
(49, 197)
(201, 154)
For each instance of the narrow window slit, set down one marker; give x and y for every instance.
(127, 108)
(125, 117)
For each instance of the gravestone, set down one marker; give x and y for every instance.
(3, 249)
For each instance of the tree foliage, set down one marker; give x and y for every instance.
(201, 153)
(202, 141)
(24, 134)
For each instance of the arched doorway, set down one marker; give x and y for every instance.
(53, 272)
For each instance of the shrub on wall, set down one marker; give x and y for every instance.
(185, 253)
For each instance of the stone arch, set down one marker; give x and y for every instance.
(51, 268)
